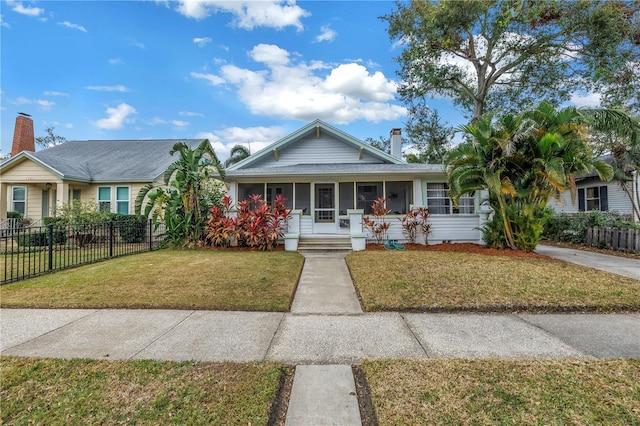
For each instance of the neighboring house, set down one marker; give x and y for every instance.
(330, 179)
(110, 173)
(594, 194)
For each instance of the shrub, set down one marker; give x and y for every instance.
(132, 228)
(378, 227)
(415, 223)
(41, 238)
(257, 224)
(571, 228)
(14, 215)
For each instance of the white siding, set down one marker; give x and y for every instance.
(456, 228)
(310, 150)
(618, 200)
(306, 225)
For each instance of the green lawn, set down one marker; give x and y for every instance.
(79, 392)
(451, 281)
(167, 279)
(505, 392)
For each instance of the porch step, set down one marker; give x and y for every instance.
(322, 242)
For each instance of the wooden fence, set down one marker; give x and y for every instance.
(621, 239)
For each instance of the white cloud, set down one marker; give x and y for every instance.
(214, 80)
(116, 117)
(43, 104)
(202, 41)
(306, 91)
(117, 88)
(136, 43)
(269, 54)
(29, 11)
(54, 93)
(589, 100)
(157, 121)
(326, 34)
(73, 26)
(180, 123)
(254, 138)
(68, 126)
(248, 14)
(3, 23)
(190, 114)
(116, 61)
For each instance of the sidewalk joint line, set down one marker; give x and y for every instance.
(173, 327)
(427, 353)
(264, 357)
(548, 333)
(52, 330)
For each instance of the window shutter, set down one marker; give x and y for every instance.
(581, 200)
(604, 198)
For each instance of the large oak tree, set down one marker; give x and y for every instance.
(507, 55)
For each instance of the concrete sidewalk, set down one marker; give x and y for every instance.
(311, 338)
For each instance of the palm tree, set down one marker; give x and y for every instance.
(237, 154)
(522, 161)
(181, 203)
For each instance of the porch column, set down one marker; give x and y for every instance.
(358, 238)
(292, 234)
(4, 195)
(62, 194)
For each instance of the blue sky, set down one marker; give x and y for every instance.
(233, 72)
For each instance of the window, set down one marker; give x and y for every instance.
(122, 200)
(438, 200)
(303, 198)
(366, 194)
(593, 198)
(399, 196)
(284, 189)
(246, 190)
(76, 195)
(346, 197)
(104, 199)
(19, 200)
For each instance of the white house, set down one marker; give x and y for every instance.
(330, 179)
(594, 194)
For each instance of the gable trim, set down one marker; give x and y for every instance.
(318, 126)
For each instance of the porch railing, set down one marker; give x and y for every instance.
(35, 250)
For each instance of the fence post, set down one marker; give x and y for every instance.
(110, 238)
(150, 235)
(50, 246)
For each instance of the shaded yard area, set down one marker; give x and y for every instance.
(167, 279)
(465, 392)
(54, 391)
(435, 281)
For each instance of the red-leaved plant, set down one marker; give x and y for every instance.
(257, 224)
(415, 223)
(377, 226)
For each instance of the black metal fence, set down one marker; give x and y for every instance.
(31, 251)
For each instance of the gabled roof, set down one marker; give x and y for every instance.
(310, 128)
(105, 160)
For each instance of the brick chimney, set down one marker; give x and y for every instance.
(23, 138)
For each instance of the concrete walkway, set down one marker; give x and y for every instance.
(325, 332)
(616, 264)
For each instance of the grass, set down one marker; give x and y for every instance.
(167, 279)
(448, 281)
(465, 392)
(78, 392)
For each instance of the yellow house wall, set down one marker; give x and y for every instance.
(27, 172)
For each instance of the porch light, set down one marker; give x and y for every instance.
(48, 185)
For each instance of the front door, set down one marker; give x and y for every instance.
(45, 203)
(324, 211)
